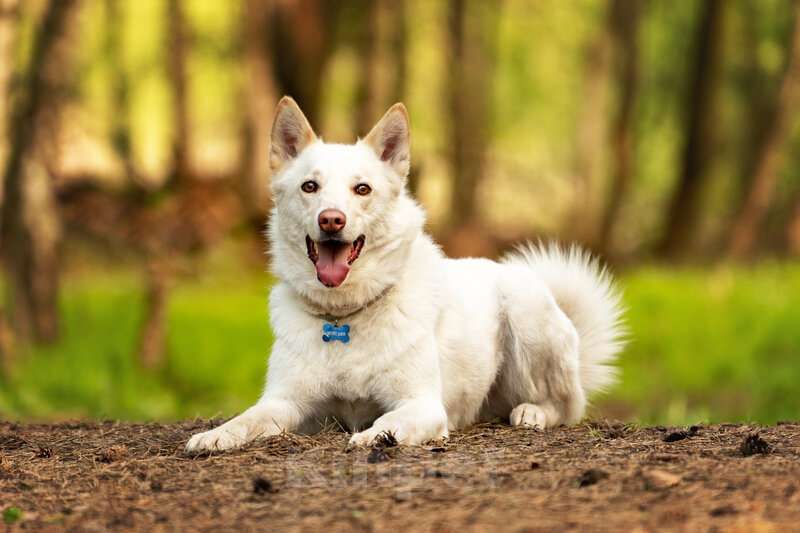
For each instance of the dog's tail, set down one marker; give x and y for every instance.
(586, 292)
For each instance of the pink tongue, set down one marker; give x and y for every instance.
(332, 267)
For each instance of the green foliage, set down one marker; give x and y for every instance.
(705, 345)
(12, 515)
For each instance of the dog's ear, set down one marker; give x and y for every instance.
(390, 139)
(291, 133)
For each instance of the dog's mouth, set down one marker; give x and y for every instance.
(332, 258)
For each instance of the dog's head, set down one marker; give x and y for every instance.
(341, 212)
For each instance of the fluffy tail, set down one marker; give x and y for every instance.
(586, 292)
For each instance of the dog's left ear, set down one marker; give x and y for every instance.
(390, 139)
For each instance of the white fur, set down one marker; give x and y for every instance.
(441, 343)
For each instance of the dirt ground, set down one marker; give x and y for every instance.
(596, 476)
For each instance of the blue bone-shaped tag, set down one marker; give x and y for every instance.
(331, 333)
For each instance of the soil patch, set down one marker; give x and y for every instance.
(595, 476)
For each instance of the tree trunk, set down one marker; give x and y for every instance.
(398, 48)
(682, 213)
(259, 97)
(153, 334)
(624, 22)
(590, 138)
(9, 22)
(398, 52)
(793, 229)
(6, 346)
(179, 84)
(472, 29)
(381, 49)
(29, 224)
(770, 152)
(120, 118)
(9, 18)
(759, 90)
(368, 48)
(301, 47)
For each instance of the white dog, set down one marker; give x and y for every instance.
(376, 328)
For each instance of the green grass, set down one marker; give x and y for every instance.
(718, 345)
(217, 346)
(705, 346)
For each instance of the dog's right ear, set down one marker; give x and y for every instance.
(291, 133)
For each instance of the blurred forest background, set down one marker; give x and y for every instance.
(133, 156)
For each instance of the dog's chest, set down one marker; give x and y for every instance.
(354, 414)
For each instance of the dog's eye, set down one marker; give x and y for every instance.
(362, 189)
(309, 186)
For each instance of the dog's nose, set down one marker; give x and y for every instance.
(331, 220)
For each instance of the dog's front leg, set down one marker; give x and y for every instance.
(270, 416)
(413, 421)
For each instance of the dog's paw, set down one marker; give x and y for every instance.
(216, 440)
(409, 435)
(530, 415)
(364, 438)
